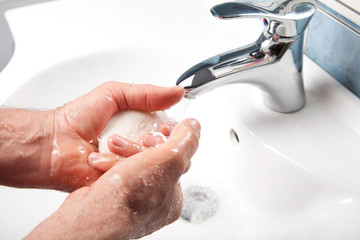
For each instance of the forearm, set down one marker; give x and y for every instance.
(25, 146)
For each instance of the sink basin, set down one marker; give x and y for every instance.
(258, 174)
(6, 41)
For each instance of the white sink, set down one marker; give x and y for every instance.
(257, 174)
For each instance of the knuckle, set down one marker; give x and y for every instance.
(194, 139)
(190, 145)
(107, 85)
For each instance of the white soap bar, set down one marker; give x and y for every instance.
(131, 124)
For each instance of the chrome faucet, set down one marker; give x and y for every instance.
(274, 62)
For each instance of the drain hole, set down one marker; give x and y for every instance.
(200, 203)
(234, 137)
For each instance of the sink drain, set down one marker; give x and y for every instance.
(234, 137)
(200, 203)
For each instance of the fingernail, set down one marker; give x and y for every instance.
(119, 142)
(194, 124)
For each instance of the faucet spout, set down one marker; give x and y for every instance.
(275, 67)
(273, 63)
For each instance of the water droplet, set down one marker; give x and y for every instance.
(95, 141)
(82, 150)
(88, 181)
(110, 98)
(142, 125)
(8, 127)
(20, 133)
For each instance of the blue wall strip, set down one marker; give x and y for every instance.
(336, 48)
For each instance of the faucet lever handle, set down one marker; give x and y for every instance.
(288, 18)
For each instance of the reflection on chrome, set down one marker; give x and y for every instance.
(273, 62)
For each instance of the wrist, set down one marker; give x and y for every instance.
(25, 144)
(86, 214)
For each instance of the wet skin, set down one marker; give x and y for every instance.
(137, 196)
(53, 148)
(50, 149)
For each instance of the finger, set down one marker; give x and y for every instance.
(109, 98)
(123, 146)
(166, 127)
(152, 139)
(174, 155)
(170, 159)
(144, 96)
(104, 161)
(184, 140)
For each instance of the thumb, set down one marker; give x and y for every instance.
(90, 113)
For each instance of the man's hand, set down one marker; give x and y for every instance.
(137, 196)
(50, 149)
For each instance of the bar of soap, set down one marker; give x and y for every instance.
(131, 124)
